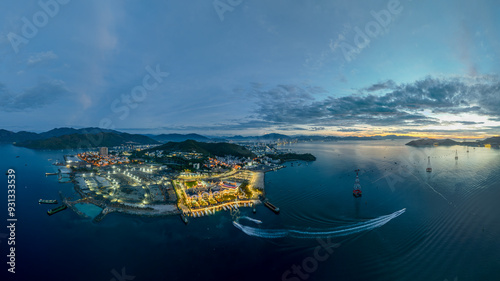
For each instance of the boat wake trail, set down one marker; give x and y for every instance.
(329, 233)
(250, 219)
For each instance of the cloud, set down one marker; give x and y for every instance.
(468, 122)
(349, 130)
(316, 128)
(389, 84)
(41, 58)
(41, 95)
(412, 104)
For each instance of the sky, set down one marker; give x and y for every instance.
(226, 67)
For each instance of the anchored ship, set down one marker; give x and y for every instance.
(272, 207)
(356, 192)
(56, 210)
(268, 204)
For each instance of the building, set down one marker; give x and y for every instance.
(103, 151)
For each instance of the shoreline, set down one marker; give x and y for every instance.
(159, 210)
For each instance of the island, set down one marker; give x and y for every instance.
(489, 142)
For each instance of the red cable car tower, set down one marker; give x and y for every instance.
(356, 192)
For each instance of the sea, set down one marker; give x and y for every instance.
(409, 224)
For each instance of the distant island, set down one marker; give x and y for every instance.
(493, 141)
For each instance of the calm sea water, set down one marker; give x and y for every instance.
(449, 230)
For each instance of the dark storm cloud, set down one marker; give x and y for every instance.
(38, 96)
(402, 105)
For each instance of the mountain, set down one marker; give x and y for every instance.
(179, 137)
(87, 141)
(214, 149)
(57, 132)
(22, 136)
(393, 137)
(8, 136)
(492, 141)
(273, 136)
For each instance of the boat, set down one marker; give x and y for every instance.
(273, 208)
(356, 192)
(184, 218)
(50, 212)
(429, 169)
(44, 201)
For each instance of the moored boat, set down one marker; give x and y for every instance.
(56, 210)
(46, 201)
(272, 207)
(184, 218)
